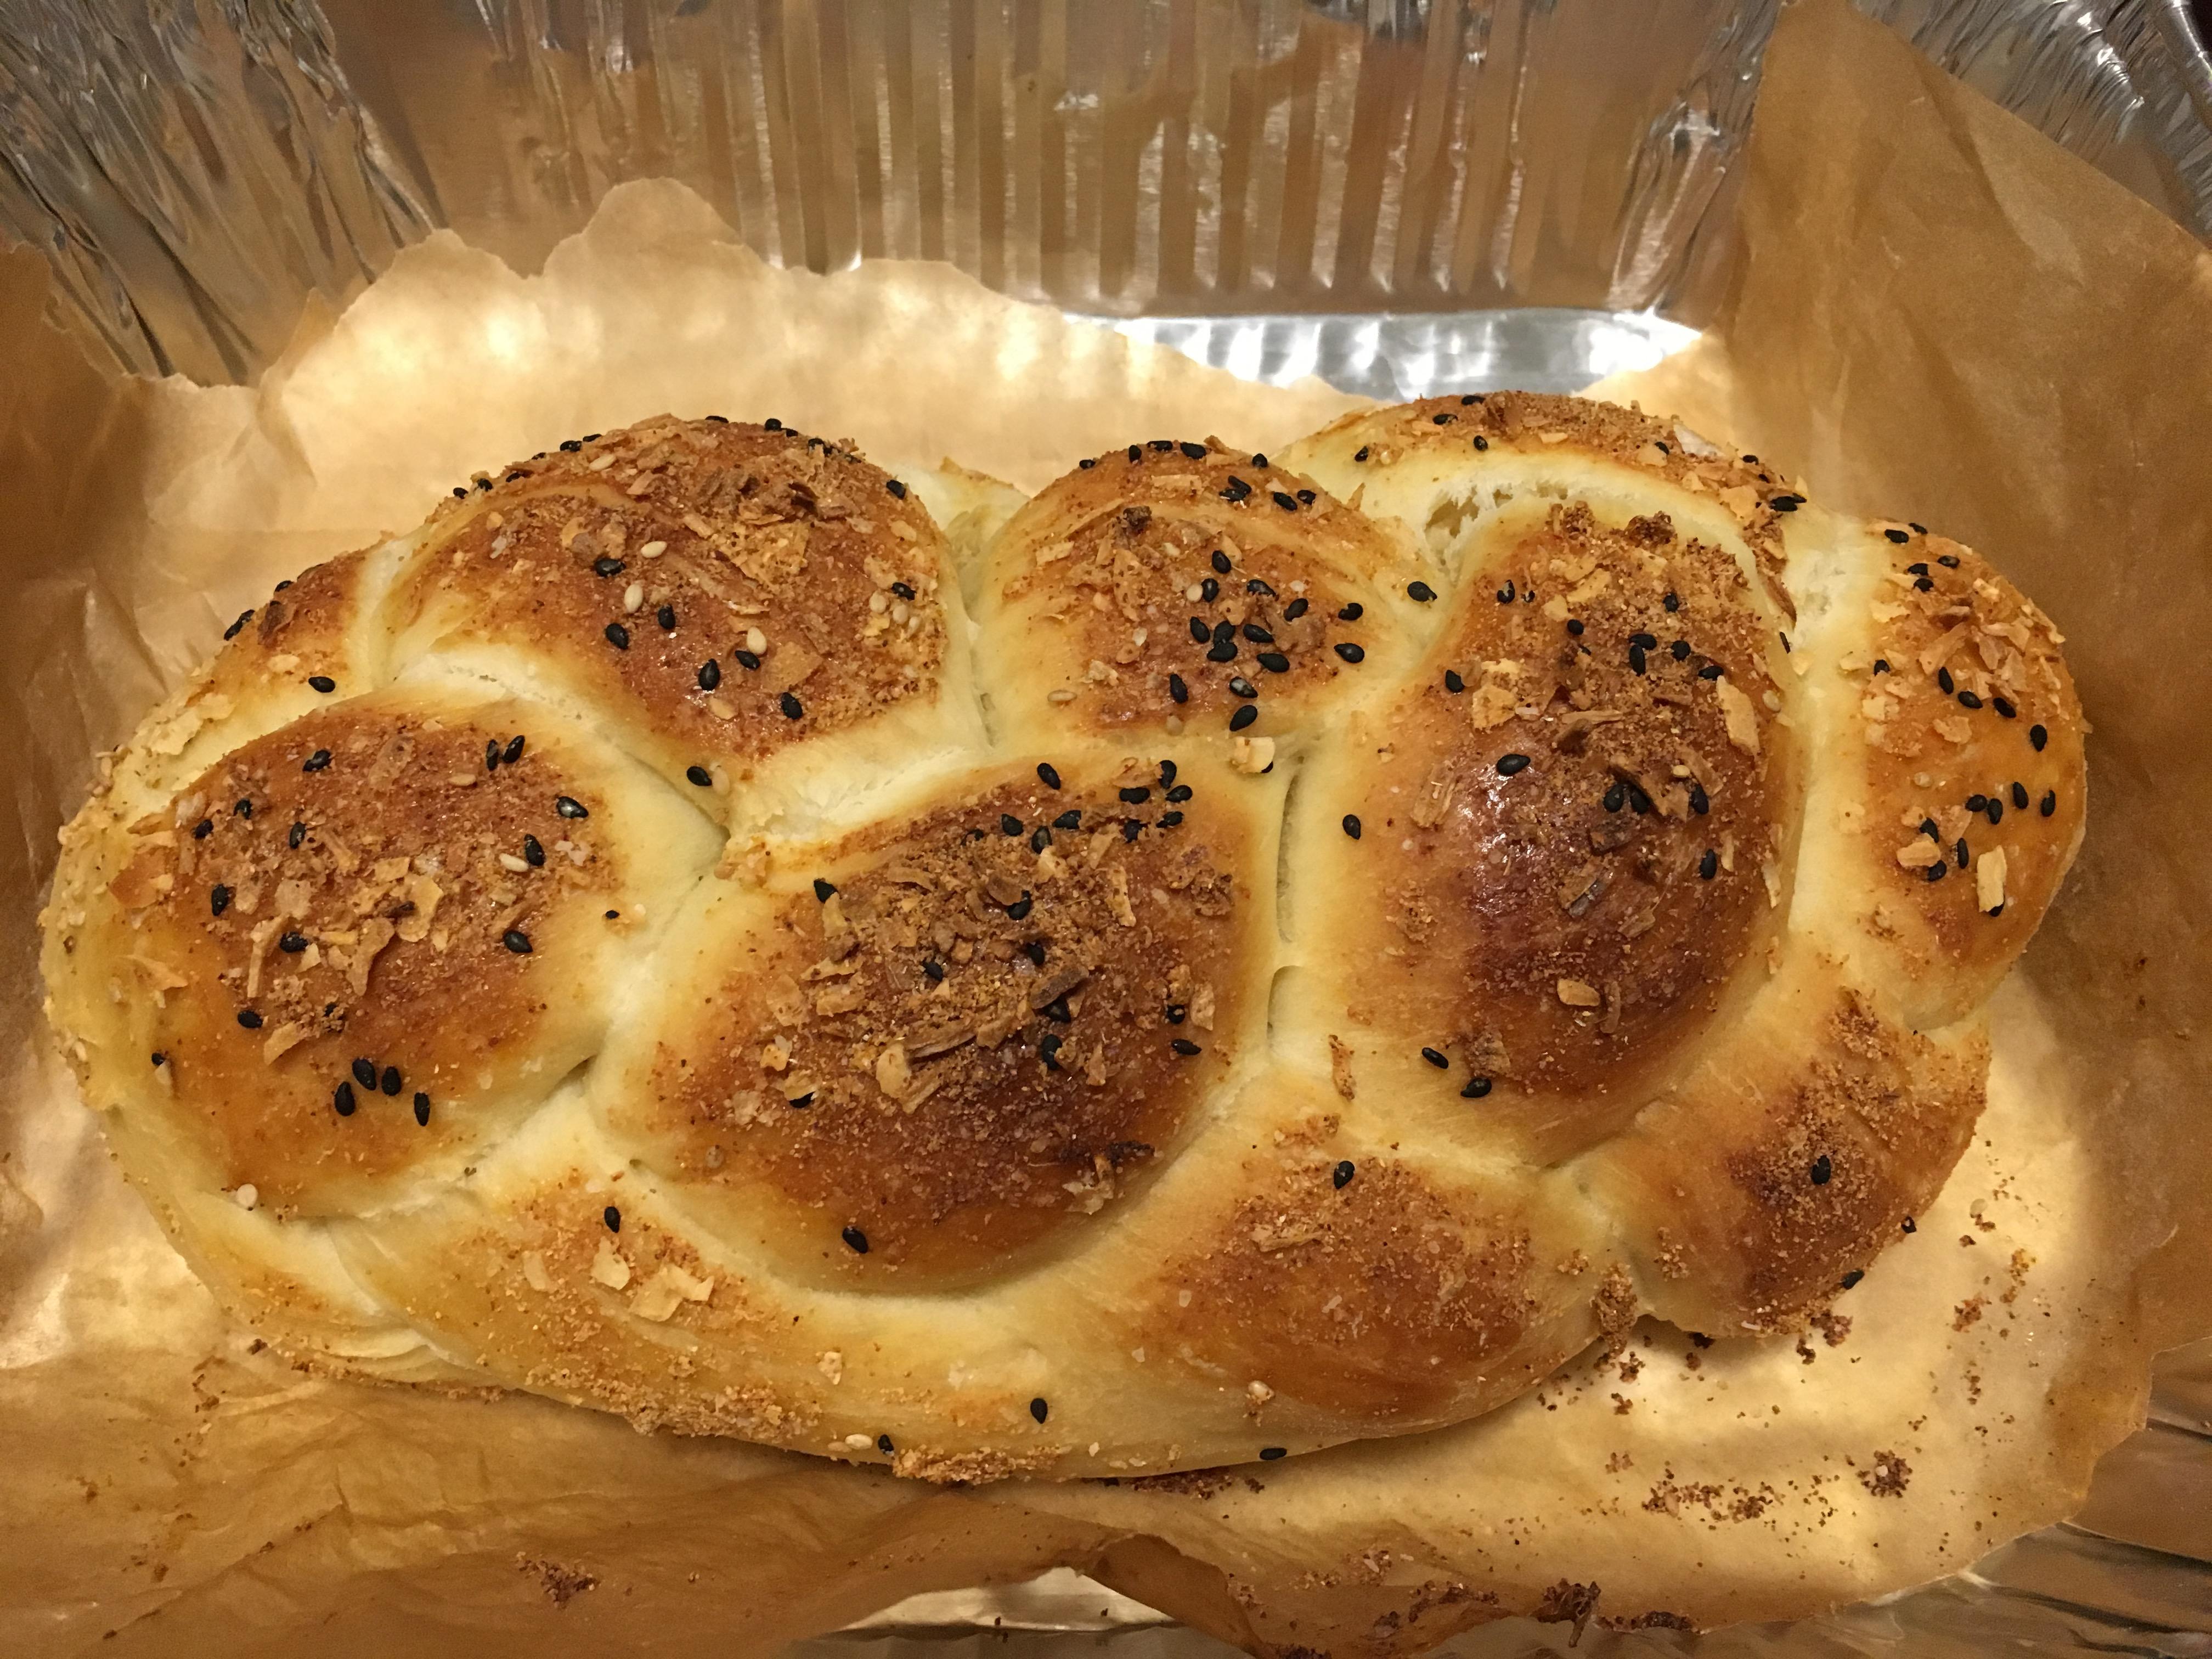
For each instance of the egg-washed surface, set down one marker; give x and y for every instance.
(1352, 928)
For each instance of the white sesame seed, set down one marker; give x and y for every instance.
(653, 549)
(1062, 695)
(755, 641)
(878, 602)
(633, 596)
(509, 861)
(1194, 593)
(601, 463)
(246, 1195)
(1174, 726)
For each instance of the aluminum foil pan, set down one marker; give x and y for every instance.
(1401, 196)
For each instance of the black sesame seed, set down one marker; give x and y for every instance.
(1708, 865)
(699, 775)
(710, 674)
(1038, 1408)
(1163, 445)
(1452, 683)
(1616, 796)
(249, 1019)
(364, 1072)
(896, 488)
(1241, 686)
(390, 1080)
(1575, 626)
(1046, 772)
(491, 754)
(1928, 826)
(1711, 670)
(1033, 950)
(1636, 658)
(1907, 1225)
(1638, 800)
(1269, 1454)
(570, 807)
(1195, 452)
(1476, 1088)
(1673, 601)
(1220, 562)
(1260, 461)
(321, 758)
(1350, 652)
(1175, 1013)
(1200, 633)
(203, 829)
(801, 1102)
(1352, 613)
(1976, 801)
(1420, 593)
(244, 617)
(1236, 490)
(1898, 536)
(460, 492)
(1181, 792)
(1287, 501)
(1958, 853)
(323, 683)
(1681, 648)
(666, 617)
(1435, 1057)
(1924, 585)
(903, 590)
(1359, 455)
(2004, 706)
(1937, 870)
(606, 567)
(571, 446)
(1245, 714)
(1009, 824)
(855, 1240)
(1070, 819)
(1510, 764)
(1881, 665)
(1505, 594)
(422, 1108)
(513, 752)
(791, 706)
(934, 970)
(745, 659)
(2048, 803)
(1949, 562)
(1210, 589)
(1257, 635)
(1223, 651)
(617, 636)
(1177, 691)
(1352, 825)
(1136, 795)
(1786, 503)
(771, 424)
(1852, 1278)
(612, 1217)
(292, 943)
(219, 898)
(1344, 1173)
(1184, 1047)
(1968, 700)
(532, 854)
(1919, 569)
(1020, 908)
(1296, 609)
(884, 1441)
(1649, 643)
(2036, 737)
(1275, 662)
(1444, 419)
(1700, 802)
(1996, 810)
(1482, 442)
(1822, 1169)
(517, 941)
(342, 1100)
(1169, 820)
(2019, 794)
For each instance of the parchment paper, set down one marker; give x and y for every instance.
(1938, 314)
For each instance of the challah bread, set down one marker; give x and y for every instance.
(1350, 929)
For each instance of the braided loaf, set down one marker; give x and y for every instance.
(1332, 937)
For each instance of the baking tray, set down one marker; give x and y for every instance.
(1403, 196)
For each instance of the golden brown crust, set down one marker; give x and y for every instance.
(908, 1167)
(1171, 586)
(728, 590)
(950, 1035)
(1548, 857)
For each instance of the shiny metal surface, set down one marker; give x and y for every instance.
(194, 168)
